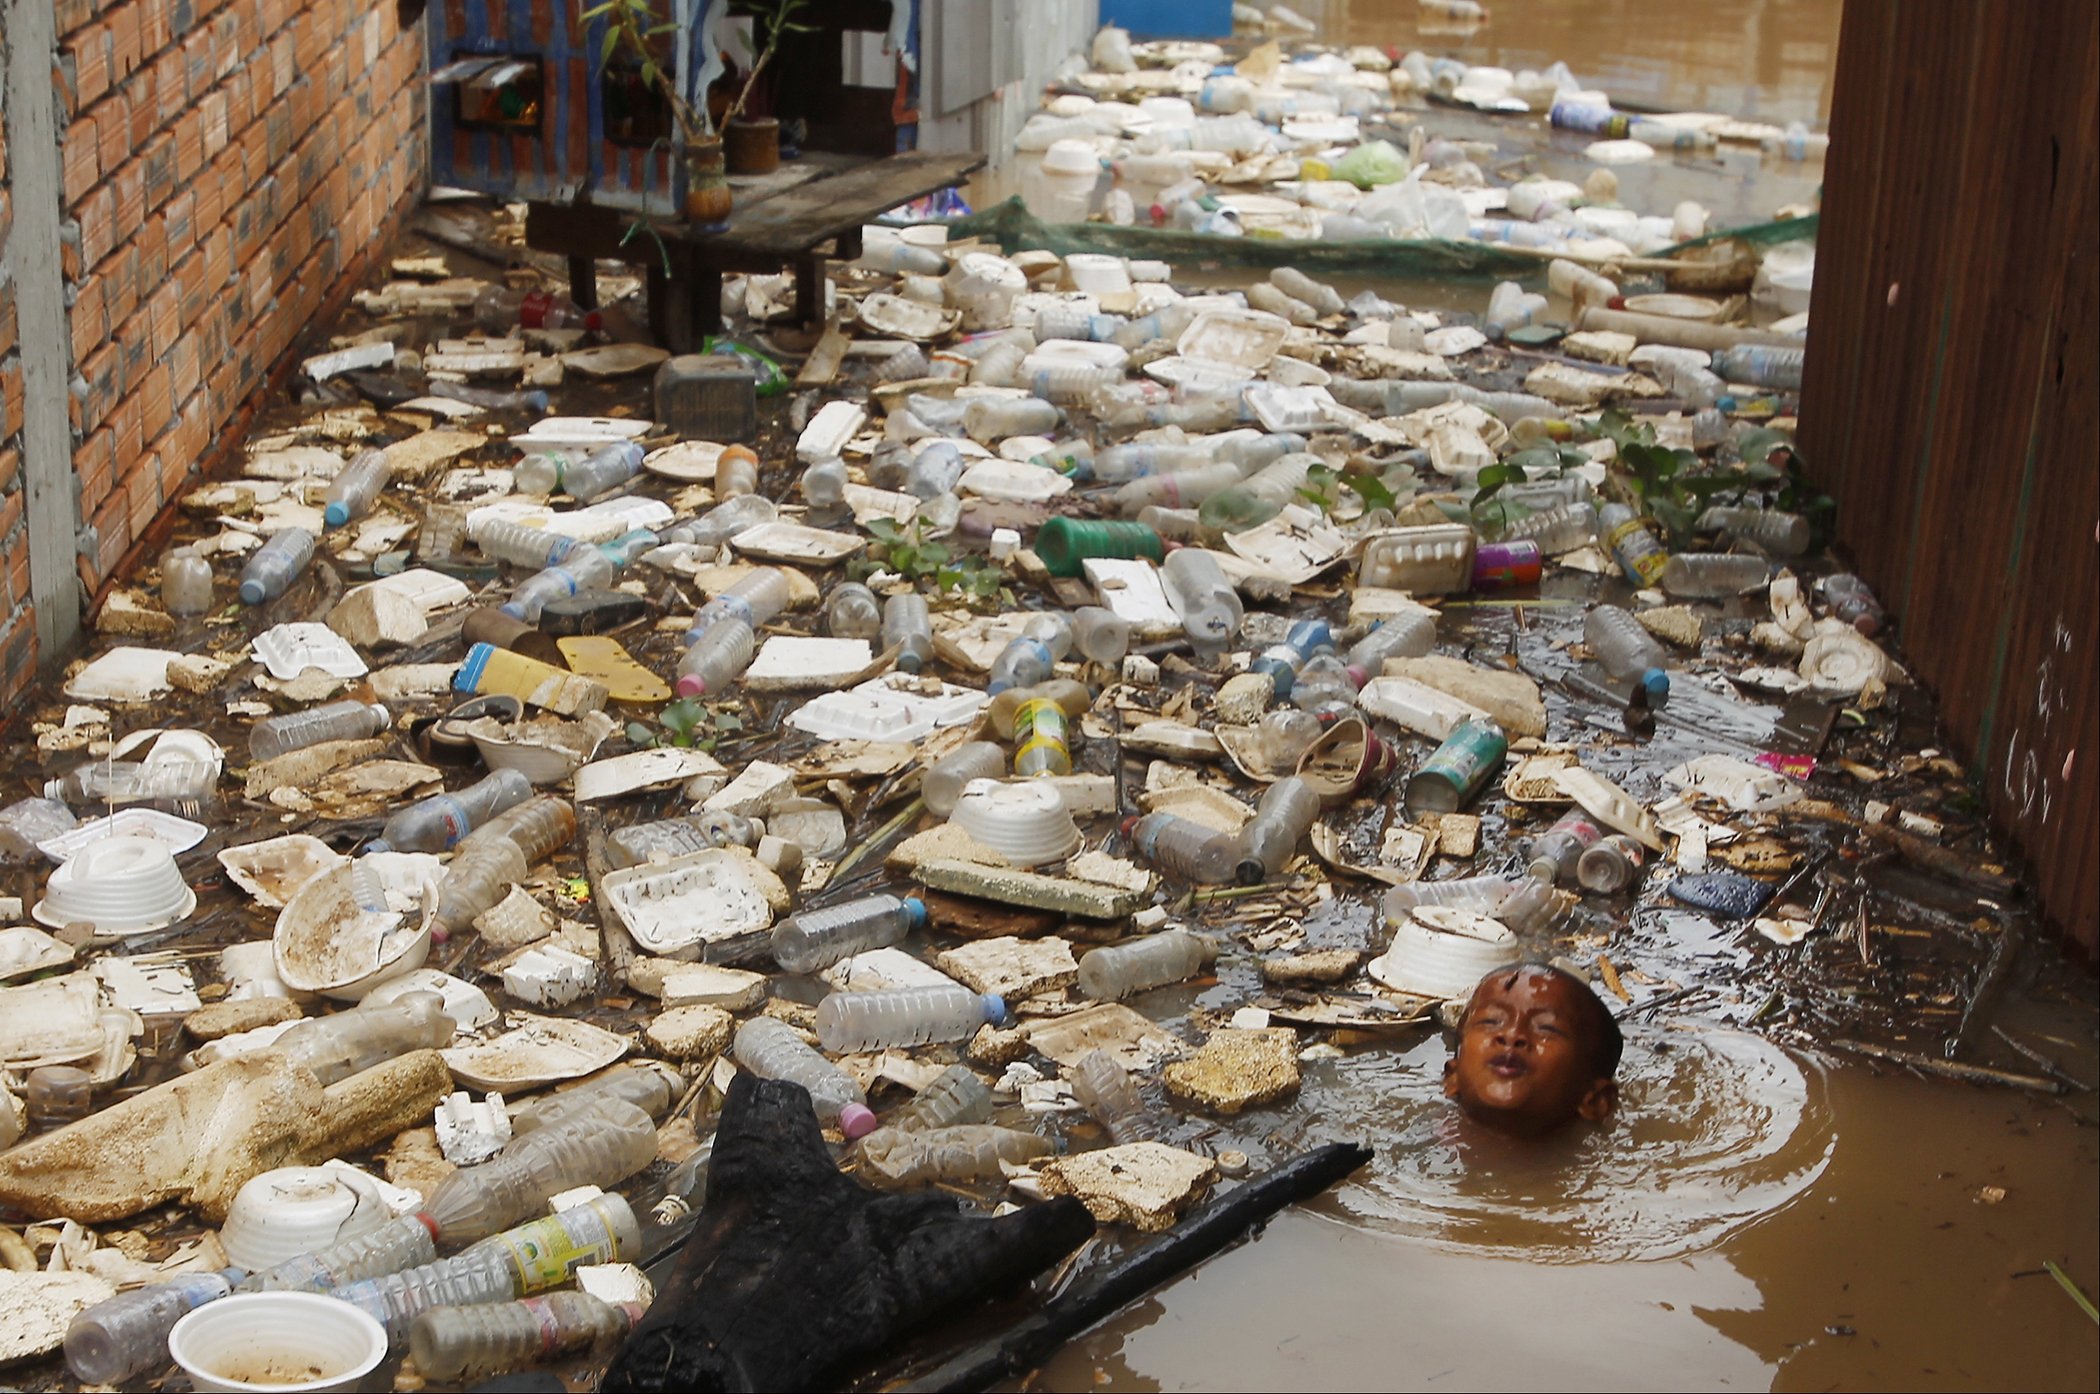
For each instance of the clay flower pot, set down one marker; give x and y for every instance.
(707, 196)
(754, 144)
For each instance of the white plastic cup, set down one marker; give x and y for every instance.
(1026, 823)
(277, 1342)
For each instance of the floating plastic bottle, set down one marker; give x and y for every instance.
(185, 582)
(895, 1159)
(496, 856)
(1281, 821)
(754, 598)
(1409, 635)
(472, 1343)
(275, 565)
(515, 1263)
(736, 472)
(1141, 461)
(1186, 850)
(1762, 365)
(502, 308)
(853, 612)
(1284, 735)
(115, 783)
(1560, 527)
(584, 570)
(894, 254)
(1325, 686)
(717, 659)
(990, 419)
(649, 1087)
(1101, 635)
(1073, 458)
(1612, 865)
(337, 721)
(581, 477)
(812, 940)
(339, 1046)
(1043, 737)
(1669, 135)
(1627, 650)
(601, 1146)
(489, 398)
(907, 626)
(355, 487)
(1065, 543)
(1580, 284)
(1208, 606)
(1280, 663)
(942, 784)
(510, 541)
(121, 1338)
(1690, 383)
(1484, 895)
(1259, 497)
(725, 520)
(436, 823)
(1063, 321)
(1178, 488)
(1706, 575)
(400, 1243)
(955, 1097)
(1633, 544)
(1024, 662)
(1116, 971)
(1853, 601)
(1780, 533)
(1106, 1090)
(1551, 856)
(849, 1023)
(770, 1049)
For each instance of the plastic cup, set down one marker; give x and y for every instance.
(278, 1342)
(121, 885)
(1027, 823)
(1065, 543)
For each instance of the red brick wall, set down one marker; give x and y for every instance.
(230, 167)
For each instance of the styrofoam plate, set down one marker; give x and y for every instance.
(180, 834)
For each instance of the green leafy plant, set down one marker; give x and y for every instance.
(687, 724)
(1550, 460)
(908, 552)
(1674, 486)
(1324, 485)
(635, 25)
(772, 21)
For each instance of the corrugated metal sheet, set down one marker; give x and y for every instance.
(1950, 405)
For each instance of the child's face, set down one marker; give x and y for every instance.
(1523, 1063)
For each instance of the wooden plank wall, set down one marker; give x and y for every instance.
(1950, 403)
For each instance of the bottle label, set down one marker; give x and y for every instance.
(548, 1252)
(1041, 731)
(1638, 552)
(534, 308)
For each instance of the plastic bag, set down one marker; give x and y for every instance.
(1371, 164)
(1112, 51)
(772, 382)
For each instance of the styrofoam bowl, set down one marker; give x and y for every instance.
(1027, 823)
(277, 1341)
(326, 943)
(121, 885)
(1444, 953)
(290, 1211)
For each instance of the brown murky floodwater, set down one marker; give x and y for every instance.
(1755, 1218)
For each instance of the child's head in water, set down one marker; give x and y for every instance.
(1536, 1049)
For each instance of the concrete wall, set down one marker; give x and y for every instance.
(204, 179)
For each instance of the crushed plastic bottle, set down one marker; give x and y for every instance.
(473, 1343)
(1116, 971)
(849, 1023)
(770, 1049)
(812, 940)
(1105, 1089)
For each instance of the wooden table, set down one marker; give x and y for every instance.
(809, 211)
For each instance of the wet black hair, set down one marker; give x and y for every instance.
(1607, 1042)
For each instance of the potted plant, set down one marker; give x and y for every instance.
(754, 139)
(637, 27)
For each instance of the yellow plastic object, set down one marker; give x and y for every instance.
(595, 656)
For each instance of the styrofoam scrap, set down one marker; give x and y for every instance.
(147, 984)
(760, 788)
(1131, 587)
(323, 366)
(787, 662)
(550, 976)
(879, 969)
(288, 650)
(641, 769)
(123, 674)
(573, 1197)
(470, 1132)
(616, 1282)
(828, 431)
(715, 895)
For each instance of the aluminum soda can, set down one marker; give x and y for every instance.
(1458, 769)
(1507, 565)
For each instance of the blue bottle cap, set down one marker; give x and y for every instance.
(915, 910)
(252, 593)
(336, 514)
(994, 1008)
(1657, 683)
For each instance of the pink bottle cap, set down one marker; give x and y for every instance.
(856, 1120)
(690, 685)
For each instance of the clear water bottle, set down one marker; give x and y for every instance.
(725, 520)
(339, 1046)
(1024, 662)
(1177, 488)
(1073, 458)
(1280, 663)
(1106, 1090)
(934, 470)
(1762, 365)
(1482, 894)
(1780, 533)
(942, 784)
(473, 1343)
(581, 477)
(497, 855)
(185, 582)
(516, 1263)
(650, 1087)
(897, 256)
(1295, 283)
(1281, 821)
(717, 660)
(124, 1337)
(956, 1097)
(849, 1023)
(823, 486)
(1183, 525)
(1324, 685)
(895, 1159)
(275, 565)
(436, 823)
(337, 721)
(1409, 635)
(1208, 606)
(1274, 300)
(999, 365)
(1627, 650)
(673, 837)
(989, 419)
(1252, 450)
(1162, 325)
(1560, 527)
(1138, 461)
(584, 570)
(1853, 601)
(1708, 575)
(1185, 849)
(1067, 384)
(407, 1241)
(813, 940)
(1066, 321)
(908, 627)
(754, 598)
(1101, 635)
(1633, 544)
(601, 1146)
(1551, 856)
(1284, 735)
(1116, 971)
(356, 487)
(1580, 284)
(1259, 497)
(853, 612)
(489, 398)
(115, 783)
(1690, 383)
(771, 1049)
(499, 309)
(508, 540)
(1612, 865)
